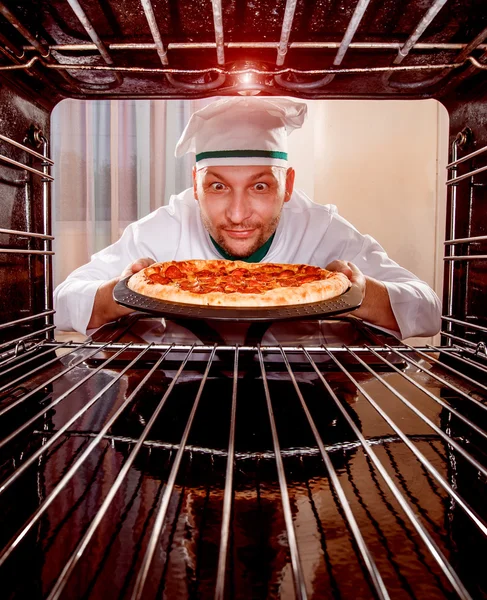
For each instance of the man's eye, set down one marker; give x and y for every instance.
(261, 187)
(217, 186)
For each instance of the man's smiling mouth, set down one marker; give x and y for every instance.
(239, 233)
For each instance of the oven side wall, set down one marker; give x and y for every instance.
(24, 270)
(465, 278)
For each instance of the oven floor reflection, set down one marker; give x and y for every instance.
(259, 564)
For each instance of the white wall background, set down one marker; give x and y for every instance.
(382, 163)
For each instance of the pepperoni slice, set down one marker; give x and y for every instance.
(187, 266)
(239, 273)
(174, 273)
(212, 287)
(289, 282)
(285, 273)
(156, 278)
(309, 270)
(190, 286)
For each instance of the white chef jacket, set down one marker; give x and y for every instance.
(307, 233)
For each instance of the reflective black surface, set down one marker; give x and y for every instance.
(259, 564)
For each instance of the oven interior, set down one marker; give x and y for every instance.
(193, 459)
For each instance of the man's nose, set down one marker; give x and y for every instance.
(239, 207)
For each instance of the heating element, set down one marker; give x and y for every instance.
(365, 49)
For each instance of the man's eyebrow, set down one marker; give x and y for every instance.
(214, 174)
(264, 174)
(211, 173)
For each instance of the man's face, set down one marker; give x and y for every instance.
(240, 206)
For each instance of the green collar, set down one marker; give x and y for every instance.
(257, 256)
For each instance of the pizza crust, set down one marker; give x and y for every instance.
(333, 285)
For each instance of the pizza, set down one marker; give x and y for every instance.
(237, 283)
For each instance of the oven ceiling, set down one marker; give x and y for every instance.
(56, 49)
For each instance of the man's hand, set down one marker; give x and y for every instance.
(136, 266)
(376, 305)
(105, 309)
(351, 271)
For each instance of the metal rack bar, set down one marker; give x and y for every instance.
(26, 337)
(458, 339)
(46, 213)
(154, 29)
(304, 451)
(381, 536)
(58, 587)
(17, 251)
(419, 30)
(468, 257)
(28, 234)
(39, 47)
(159, 46)
(10, 384)
(458, 141)
(216, 6)
(138, 591)
(417, 453)
(465, 324)
(433, 548)
(7, 551)
(417, 33)
(26, 149)
(344, 45)
(374, 573)
(36, 357)
(39, 388)
(223, 72)
(466, 455)
(48, 443)
(9, 357)
(465, 176)
(142, 47)
(468, 240)
(299, 582)
(452, 370)
(228, 493)
(26, 319)
(90, 30)
(467, 156)
(439, 401)
(351, 29)
(16, 163)
(478, 352)
(287, 24)
(206, 348)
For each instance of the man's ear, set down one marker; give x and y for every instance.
(290, 175)
(195, 187)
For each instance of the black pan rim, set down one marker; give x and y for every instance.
(349, 301)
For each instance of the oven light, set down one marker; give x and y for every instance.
(247, 82)
(246, 78)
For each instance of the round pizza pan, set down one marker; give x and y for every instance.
(346, 302)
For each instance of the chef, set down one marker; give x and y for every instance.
(243, 206)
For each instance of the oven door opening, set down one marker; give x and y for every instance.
(159, 457)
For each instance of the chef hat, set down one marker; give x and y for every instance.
(242, 131)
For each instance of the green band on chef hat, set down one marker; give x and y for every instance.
(241, 154)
